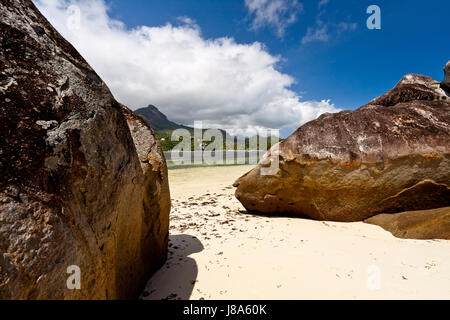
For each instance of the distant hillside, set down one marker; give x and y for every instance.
(164, 127)
(157, 120)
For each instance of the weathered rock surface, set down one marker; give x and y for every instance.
(156, 195)
(446, 82)
(74, 187)
(423, 225)
(391, 155)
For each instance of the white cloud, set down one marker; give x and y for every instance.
(278, 14)
(317, 33)
(323, 3)
(345, 26)
(189, 78)
(323, 32)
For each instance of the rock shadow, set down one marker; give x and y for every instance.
(276, 215)
(176, 278)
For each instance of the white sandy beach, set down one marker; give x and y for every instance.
(217, 251)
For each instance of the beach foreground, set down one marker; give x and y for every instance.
(218, 251)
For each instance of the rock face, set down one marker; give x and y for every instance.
(75, 189)
(390, 155)
(156, 195)
(423, 225)
(446, 82)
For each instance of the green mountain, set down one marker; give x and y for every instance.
(158, 120)
(163, 128)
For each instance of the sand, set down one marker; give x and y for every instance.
(218, 251)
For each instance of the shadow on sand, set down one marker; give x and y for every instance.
(275, 215)
(176, 279)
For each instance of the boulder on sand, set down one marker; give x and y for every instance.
(75, 189)
(423, 225)
(390, 155)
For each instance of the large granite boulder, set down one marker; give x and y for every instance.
(422, 224)
(390, 155)
(446, 83)
(75, 189)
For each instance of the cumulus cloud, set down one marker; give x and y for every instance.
(218, 81)
(277, 14)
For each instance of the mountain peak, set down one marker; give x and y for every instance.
(152, 107)
(156, 119)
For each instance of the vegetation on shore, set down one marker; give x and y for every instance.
(164, 129)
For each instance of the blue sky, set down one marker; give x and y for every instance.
(350, 69)
(344, 62)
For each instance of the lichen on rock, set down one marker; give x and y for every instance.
(73, 189)
(390, 155)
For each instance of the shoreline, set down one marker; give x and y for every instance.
(218, 251)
